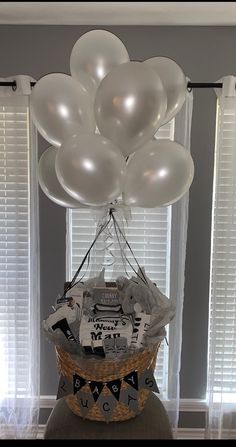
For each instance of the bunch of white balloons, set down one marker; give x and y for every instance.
(101, 123)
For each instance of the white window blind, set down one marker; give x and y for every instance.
(148, 233)
(15, 250)
(222, 315)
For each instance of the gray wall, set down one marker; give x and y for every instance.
(205, 54)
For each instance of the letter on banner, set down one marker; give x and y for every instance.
(148, 381)
(78, 382)
(130, 398)
(132, 379)
(85, 401)
(65, 387)
(96, 388)
(106, 405)
(114, 387)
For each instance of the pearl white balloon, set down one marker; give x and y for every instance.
(160, 173)
(49, 182)
(174, 83)
(91, 169)
(61, 106)
(94, 55)
(130, 105)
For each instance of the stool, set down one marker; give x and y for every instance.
(152, 423)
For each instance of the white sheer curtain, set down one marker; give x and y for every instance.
(19, 266)
(221, 388)
(179, 225)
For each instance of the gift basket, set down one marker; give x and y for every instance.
(102, 123)
(107, 336)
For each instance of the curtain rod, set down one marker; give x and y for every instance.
(190, 85)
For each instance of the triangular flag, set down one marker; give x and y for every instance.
(78, 382)
(85, 401)
(96, 388)
(130, 398)
(148, 381)
(65, 387)
(132, 379)
(106, 405)
(114, 387)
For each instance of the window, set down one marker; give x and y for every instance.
(18, 234)
(149, 236)
(222, 318)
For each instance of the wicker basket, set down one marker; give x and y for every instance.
(105, 371)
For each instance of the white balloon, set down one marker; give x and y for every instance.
(49, 181)
(174, 83)
(91, 169)
(130, 105)
(94, 55)
(61, 106)
(158, 174)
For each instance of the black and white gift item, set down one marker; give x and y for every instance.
(98, 348)
(100, 326)
(121, 346)
(141, 324)
(65, 328)
(109, 348)
(61, 319)
(87, 346)
(106, 296)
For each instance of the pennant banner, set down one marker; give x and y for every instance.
(130, 398)
(106, 405)
(65, 387)
(96, 388)
(85, 401)
(78, 382)
(148, 381)
(114, 387)
(132, 379)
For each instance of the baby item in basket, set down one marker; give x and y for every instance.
(60, 321)
(101, 325)
(141, 324)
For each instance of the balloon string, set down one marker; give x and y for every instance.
(72, 283)
(116, 225)
(108, 243)
(103, 227)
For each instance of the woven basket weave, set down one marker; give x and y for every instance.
(105, 371)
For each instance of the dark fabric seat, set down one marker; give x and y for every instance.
(152, 423)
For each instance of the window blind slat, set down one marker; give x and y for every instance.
(14, 247)
(222, 315)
